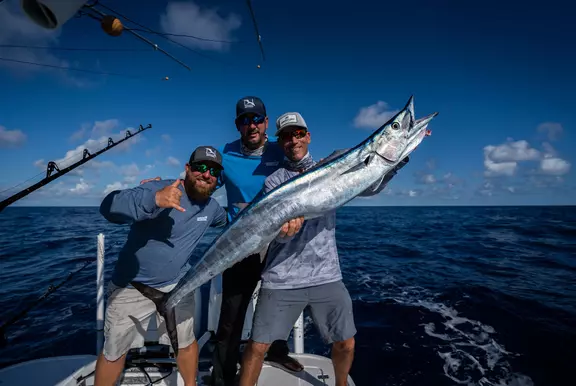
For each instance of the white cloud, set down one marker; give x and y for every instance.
(187, 18)
(494, 169)
(166, 138)
(554, 166)
(81, 188)
(428, 179)
(374, 116)
(504, 159)
(171, 161)
(11, 138)
(104, 127)
(114, 186)
(511, 152)
(551, 129)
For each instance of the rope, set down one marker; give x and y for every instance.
(51, 289)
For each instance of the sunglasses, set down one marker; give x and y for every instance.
(248, 119)
(298, 134)
(202, 168)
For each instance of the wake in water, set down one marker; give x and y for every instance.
(470, 352)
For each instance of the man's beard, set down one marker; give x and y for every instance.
(253, 143)
(199, 192)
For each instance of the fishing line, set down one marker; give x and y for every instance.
(258, 37)
(74, 48)
(51, 289)
(186, 36)
(163, 36)
(72, 69)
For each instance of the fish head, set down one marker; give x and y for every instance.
(390, 140)
(417, 134)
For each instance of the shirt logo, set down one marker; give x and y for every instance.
(205, 218)
(249, 103)
(210, 153)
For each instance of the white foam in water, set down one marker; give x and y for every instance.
(471, 355)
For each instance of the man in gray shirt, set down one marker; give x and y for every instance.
(303, 270)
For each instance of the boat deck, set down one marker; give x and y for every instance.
(79, 371)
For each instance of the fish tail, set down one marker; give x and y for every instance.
(160, 299)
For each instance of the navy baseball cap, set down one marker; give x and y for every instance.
(250, 104)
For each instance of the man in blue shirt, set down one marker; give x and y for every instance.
(168, 218)
(247, 162)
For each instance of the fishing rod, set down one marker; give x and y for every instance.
(52, 166)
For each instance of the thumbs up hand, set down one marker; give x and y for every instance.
(169, 196)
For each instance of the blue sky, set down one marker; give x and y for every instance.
(500, 75)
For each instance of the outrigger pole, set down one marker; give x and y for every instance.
(51, 167)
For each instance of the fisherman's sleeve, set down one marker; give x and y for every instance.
(270, 183)
(220, 218)
(381, 185)
(129, 205)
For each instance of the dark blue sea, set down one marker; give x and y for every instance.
(442, 295)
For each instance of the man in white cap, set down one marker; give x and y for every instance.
(302, 270)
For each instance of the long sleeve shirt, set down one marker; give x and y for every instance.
(161, 240)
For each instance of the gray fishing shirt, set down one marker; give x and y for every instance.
(310, 257)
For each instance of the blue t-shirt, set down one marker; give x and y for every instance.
(244, 175)
(161, 240)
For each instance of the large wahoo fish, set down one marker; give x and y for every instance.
(329, 185)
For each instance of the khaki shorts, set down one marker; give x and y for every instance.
(127, 316)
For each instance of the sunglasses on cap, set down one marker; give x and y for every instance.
(298, 134)
(248, 119)
(202, 168)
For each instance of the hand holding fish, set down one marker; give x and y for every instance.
(169, 196)
(290, 228)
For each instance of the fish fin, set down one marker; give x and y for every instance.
(361, 165)
(159, 299)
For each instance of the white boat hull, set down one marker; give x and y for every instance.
(79, 370)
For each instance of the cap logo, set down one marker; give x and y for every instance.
(287, 119)
(249, 103)
(210, 153)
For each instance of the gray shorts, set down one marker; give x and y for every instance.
(127, 316)
(278, 309)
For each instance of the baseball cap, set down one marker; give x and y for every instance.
(206, 153)
(250, 104)
(289, 119)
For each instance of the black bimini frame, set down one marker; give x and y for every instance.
(51, 167)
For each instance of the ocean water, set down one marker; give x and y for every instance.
(442, 295)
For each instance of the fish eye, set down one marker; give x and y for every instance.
(395, 125)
